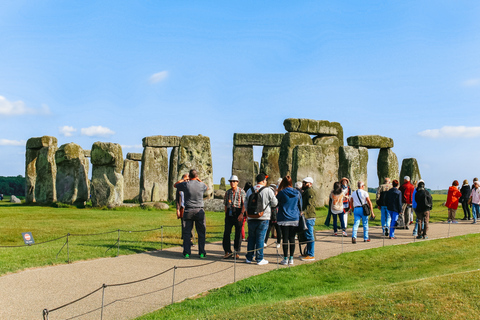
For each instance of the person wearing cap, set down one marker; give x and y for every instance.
(193, 190)
(382, 205)
(257, 227)
(234, 207)
(308, 208)
(406, 216)
(423, 200)
(465, 191)
(475, 196)
(360, 197)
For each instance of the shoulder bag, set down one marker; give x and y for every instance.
(365, 206)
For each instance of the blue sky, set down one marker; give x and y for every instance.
(118, 71)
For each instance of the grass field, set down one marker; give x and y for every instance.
(429, 280)
(49, 223)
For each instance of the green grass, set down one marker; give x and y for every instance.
(427, 280)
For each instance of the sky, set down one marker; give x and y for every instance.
(118, 71)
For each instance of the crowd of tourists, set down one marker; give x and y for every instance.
(288, 211)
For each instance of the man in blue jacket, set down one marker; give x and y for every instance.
(394, 206)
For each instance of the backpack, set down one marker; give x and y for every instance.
(252, 203)
(428, 200)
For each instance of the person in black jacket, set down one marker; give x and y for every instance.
(424, 205)
(393, 200)
(465, 190)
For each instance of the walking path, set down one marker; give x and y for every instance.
(24, 295)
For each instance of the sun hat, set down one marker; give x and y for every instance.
(233, 178)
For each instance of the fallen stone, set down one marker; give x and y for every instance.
(316, 127)
(215, 205)
(40, 142)
(72, 183)
(387, 165)
(222, 186)
(269, 164)
(134, 156)
(14, 199)
(258, 139)
(242, 164)
(353, 165)
(131, 180)
(154, 170)
(410, 168)
(161, 141)
(370, 142)
(156, 205)
(289, 142)
(219, 194)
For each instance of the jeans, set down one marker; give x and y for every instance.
(386, 218)
(256, 237)
(394, 216)
(357, 216)
(230, 222)
(475, 211)
(338, 216)
(194, 216)
(310, 235)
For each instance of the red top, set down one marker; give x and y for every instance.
(452, 198)
(407, 192)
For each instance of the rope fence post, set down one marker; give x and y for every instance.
(68, 252)
(234, 265)
(161, 241)
(276, 248)
(103, 300)
(173, 286)
(45, 314)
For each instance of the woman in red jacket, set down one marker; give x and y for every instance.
(452, 201)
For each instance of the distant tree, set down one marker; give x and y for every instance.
(12, 186)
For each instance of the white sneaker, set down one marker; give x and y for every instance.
(265, 245)
(290, 262)
(262, 262)
(278, 245)
(284, 262)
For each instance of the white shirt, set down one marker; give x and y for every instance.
(363, 196)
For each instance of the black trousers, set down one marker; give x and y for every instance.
(288, 236)
(230, 222)
(194, 216)
(466, 209)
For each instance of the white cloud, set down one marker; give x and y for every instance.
(5, 142)
(157, 77)
(67, 131)
(97, 131)
(17, 108)
(451, 132)
(471, 82)
(136, 146)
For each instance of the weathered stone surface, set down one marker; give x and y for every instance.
(222, 186)
(353, 165)
(289, 142)
(195, 153)
(256, 168)
(316, 127)
(14, 199)
(107, 154)
(154, 170)
(329, 141)
(215, 205)
(161, 141)
(410, 168)
(41, 170)
(72, 183)
(370, 142)
(258, 139)
(131, 180)
(156, 192)
(172, 173)
(269, 163)
(156, 205)
(134, 156)
(387, 165)
(87, 153)
(106, 187)
(219, 194)
(319, 162)
(40, 142)
(242, 164)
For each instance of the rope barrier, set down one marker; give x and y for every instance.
(34, 244)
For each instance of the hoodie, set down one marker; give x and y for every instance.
(289, 207)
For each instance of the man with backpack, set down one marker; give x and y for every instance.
(424, 205)
(258, 209)
(382, 204)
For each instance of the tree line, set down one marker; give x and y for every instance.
(12, 186)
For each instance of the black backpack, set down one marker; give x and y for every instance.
(428, 200)
(252, 204)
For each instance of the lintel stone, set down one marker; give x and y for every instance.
(370, 142)
(40, 142)
(314, 127)
(161, 141)
(258, 139)
(134, 156)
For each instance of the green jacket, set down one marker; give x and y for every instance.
(308, 203)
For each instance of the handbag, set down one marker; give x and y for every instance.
(365, 206)
(302, 224)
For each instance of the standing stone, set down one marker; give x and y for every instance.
(387, 165)
(131, 179)
(222, 184)
(269, 164)
(195, 153)
(242, 165)
(107, 179)
(154, 170)
(353, 165)
(156, 192)
(289, 142)
(172, 173)
(40, 170)
(410, 168)
(72, 183)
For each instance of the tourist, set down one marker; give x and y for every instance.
(234, 209)
(347, 192)
(248, 186)
(273, 226)
(359, 198)
(473, 186)
(452, 201)
(382, 205)
(308, 208)
(414, 207)
(394, 205)
(336, 200)
(289, 209)
(475, 199)
(299, 185)
(258, 218)
(465, 191)
(180, 202)
(193, 190)
(423, 200)
(406, 215)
